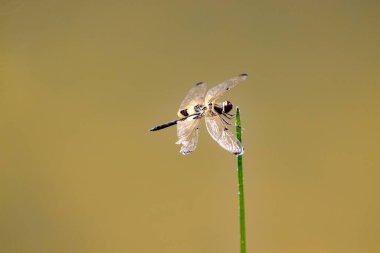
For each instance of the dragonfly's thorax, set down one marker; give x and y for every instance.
(218, 109)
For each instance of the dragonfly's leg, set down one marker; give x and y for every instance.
(228, 116)
(225, 120)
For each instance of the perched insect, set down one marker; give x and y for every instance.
(199, 104)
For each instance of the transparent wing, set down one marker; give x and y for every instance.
(194, 97)
(222, 135)
(187, 132)
(220, 89)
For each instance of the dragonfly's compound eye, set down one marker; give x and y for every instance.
(227, 106)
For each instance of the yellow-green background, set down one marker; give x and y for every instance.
(83, 81)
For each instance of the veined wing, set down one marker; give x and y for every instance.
(220, 89)
(222, 135)
(194, 97)
(187, 132)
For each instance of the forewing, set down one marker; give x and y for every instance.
(187, 132)
(194, 97)
(220, 89)
(222, 135)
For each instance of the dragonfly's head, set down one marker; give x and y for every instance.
(227, 106)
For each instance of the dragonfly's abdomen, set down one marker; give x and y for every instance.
(191, 111)
(183, 113)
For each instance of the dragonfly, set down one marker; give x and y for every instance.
(199, 104)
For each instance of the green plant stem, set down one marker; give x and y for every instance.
(241, 186)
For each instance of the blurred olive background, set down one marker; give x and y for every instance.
(83, 81)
